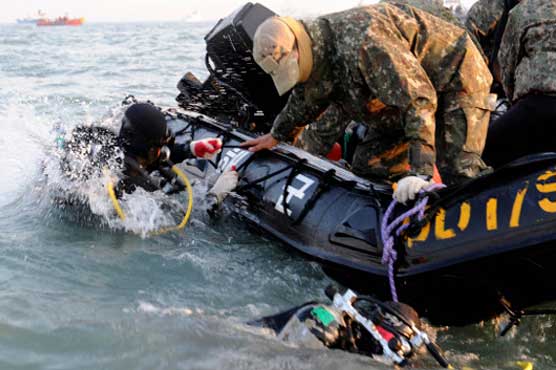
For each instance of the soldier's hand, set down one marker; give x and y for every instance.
(260, 143)
(409, 187)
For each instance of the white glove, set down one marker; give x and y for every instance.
(409, 187)
(226, 183)
(206, 148)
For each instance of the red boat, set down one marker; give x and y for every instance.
(61, 21)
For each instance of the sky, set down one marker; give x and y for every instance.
(159, 10)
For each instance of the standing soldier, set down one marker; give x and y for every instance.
(418, 83)
(486, 21)
(482, 21)
(527, 60)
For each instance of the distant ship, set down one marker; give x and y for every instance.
(31, 20)
(61, 21)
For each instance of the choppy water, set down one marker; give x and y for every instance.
(84, 294)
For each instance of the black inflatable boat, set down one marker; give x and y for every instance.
(483, 247)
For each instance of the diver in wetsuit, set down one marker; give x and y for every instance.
(143, 146)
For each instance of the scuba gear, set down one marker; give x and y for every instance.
(143, 128)
(386, 331)
(177, 179)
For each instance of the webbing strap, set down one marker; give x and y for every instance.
(291, 176)
(323, 185)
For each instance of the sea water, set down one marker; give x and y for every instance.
(87, 291)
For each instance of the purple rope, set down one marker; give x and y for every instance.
(389, 254)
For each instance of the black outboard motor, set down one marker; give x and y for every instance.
(234, 75)
(389, 332)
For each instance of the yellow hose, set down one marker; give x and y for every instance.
(189, 189)
(114, 199)
(183, 177)
(525, 365)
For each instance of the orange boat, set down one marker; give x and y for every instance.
(61, 21)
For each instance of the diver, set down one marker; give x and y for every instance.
(418, 83)
(389, 332)
(143, 146)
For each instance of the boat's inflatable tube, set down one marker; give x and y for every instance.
(487, 242)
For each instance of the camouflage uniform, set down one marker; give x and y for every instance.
(527, 54)
(434, 7)
(319, 136)
(482, 20)
(383, 65)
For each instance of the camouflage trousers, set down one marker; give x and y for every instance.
(461, 128)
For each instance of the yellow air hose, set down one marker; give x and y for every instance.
(183, 177)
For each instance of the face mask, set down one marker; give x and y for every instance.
(284, 73)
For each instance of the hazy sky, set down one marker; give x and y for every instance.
(134, 10)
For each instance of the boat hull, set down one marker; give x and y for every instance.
(60, 22)
(487, 242)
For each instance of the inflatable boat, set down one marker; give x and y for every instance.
(482, 248)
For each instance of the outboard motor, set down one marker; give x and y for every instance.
(234, 75)
(389, 332)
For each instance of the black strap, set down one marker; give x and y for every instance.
(264, 178)
(323, 186)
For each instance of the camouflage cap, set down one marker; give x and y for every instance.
(282, 48)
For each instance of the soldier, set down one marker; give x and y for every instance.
(318, 137)
(418, 83)
(527, 60)
(483, 20)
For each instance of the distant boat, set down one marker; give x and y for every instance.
(31, 20)
(27, 20)
(61, 21)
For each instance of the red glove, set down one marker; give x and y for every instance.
(206, 148)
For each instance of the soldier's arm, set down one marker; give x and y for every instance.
(482, 19)
(508, 56)
(297, 112)
(397, 79)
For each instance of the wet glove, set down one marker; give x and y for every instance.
(409, 187)
(206, 148)
(226, 183)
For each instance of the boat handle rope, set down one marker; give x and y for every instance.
(389, 231)
(180, 226)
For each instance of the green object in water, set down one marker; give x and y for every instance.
(323, 315)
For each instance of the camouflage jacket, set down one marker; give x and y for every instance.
(383, 65)
(527, 56)
(482, 20)
(434, 7)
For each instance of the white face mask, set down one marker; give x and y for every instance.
(284, 73)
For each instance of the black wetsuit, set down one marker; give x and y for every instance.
(528, 127)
